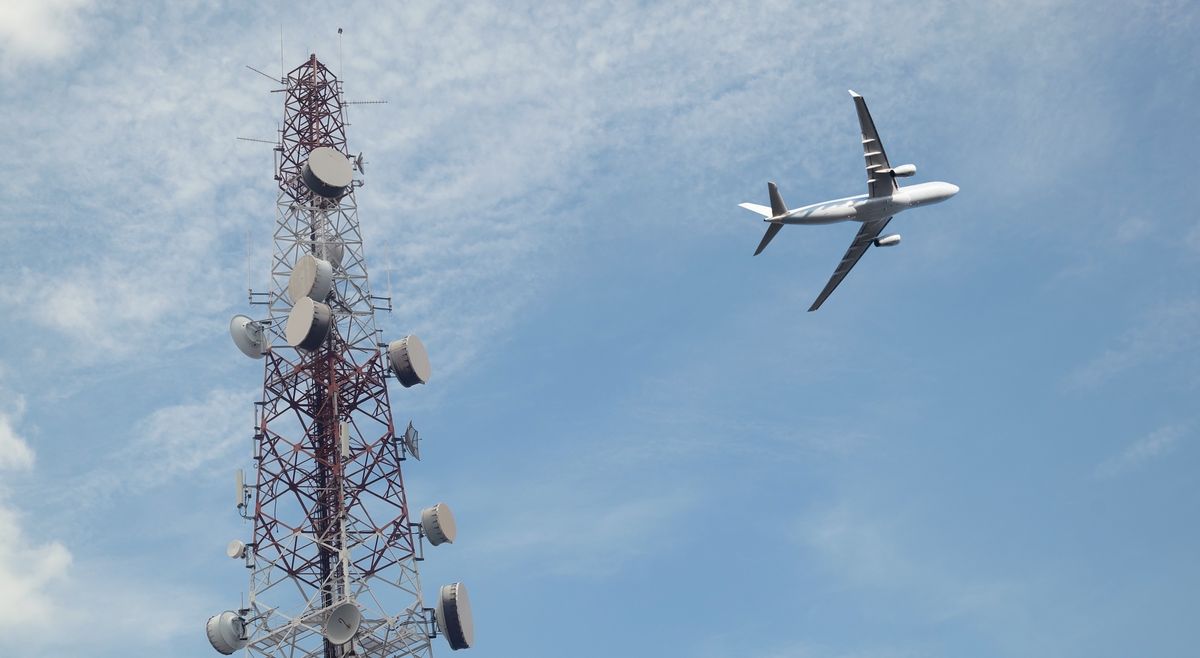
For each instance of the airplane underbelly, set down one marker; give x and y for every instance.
(877, 210)
(815, 220)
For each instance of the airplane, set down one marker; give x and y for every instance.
(883, 200)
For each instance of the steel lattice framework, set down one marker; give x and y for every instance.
(331, 521)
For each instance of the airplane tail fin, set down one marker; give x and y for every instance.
(771, 231)
(777, 209)
(777, 205)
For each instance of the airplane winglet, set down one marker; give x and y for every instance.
(854, 94)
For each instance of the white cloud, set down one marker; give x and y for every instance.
(53, 602)
(15, 453)
(133, 215)
(1157, 444)
(27, 570)
(27, 567)
(52, 595)
(39, 30)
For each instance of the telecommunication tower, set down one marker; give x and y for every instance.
(334, 552)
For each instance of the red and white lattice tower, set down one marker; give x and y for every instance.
(333, 558)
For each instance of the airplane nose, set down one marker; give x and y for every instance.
(951, 189)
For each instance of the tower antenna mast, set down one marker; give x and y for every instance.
(333, 556)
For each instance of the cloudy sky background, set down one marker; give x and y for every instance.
(984, 444)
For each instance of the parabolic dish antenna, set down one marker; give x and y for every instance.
(409, 361)
(226, 632)
(312, 277)
(327, 172)
(438, 524)
(342, 623)
(307, 324)
(453, 614)
(412, 441)
(248, 335)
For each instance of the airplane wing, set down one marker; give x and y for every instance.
(866, 235)
(878, 184)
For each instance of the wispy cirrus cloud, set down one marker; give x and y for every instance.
(1163, 332)
(889, 555)
(1192, 239)
(178, 442)
(572, 526)
(1150, 447)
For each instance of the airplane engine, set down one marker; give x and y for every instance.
(904, 171)
(888, 240)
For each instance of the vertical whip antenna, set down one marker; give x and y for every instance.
(249, 288)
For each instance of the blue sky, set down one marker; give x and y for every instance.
(984, 444)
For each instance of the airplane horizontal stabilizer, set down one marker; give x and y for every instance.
(771, 231)
(754, 207)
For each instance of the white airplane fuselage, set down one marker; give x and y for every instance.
(862, 208)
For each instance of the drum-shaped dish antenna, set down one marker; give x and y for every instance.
(453, 615)
(330, 248)
(327, 172)
(409, 361)
(236, 549)
(312, 277)
(342, 623)
(307, 324)
(249, 336)
(438, 524)
(226, 632)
